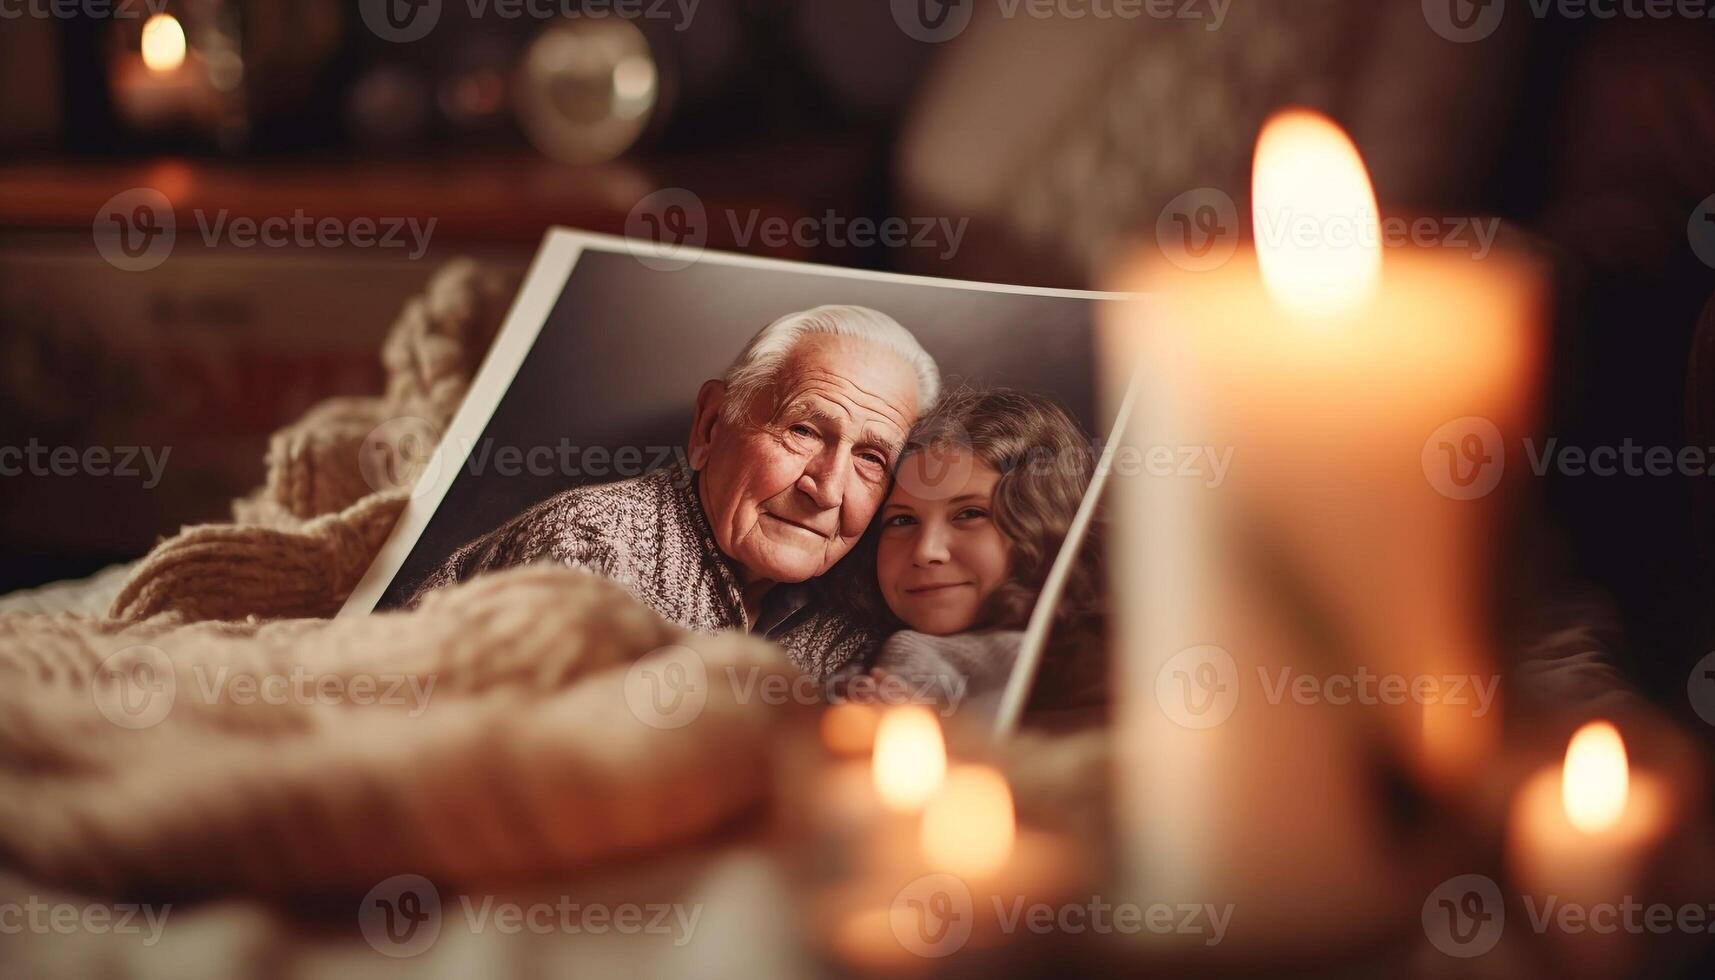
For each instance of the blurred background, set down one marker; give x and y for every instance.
(1056, 143)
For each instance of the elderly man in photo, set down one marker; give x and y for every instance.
(790, 456)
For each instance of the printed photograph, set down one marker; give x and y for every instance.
(876, 472)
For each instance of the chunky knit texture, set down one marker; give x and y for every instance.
(299, 545)
(493, 732)
(497, 731)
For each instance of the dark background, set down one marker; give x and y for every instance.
(619, 361)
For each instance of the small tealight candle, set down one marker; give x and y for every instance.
(1583, 831)
(1582, 838)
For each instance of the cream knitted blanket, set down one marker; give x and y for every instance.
(211, 736)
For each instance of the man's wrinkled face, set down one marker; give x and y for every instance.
(789, 490)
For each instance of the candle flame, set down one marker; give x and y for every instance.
(910, 758)
(969, 827)
(1595, 782)
(1314, 215)
(163, 43)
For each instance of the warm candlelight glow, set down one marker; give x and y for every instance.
(910, 758)
(969, 827)
(163, 43)
(849, 729)
(1594, 784)
(1315, 217)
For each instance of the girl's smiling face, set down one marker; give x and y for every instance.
(940, 555)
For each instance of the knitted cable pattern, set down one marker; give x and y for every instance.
(491, 734)
(300, 544)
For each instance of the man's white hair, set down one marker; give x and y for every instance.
(758, 365)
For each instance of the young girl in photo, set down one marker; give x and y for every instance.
(981, 501)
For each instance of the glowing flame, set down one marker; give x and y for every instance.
(910, 758)
(1314, 214)
(969, 827)
(1595, 782)
(163, 43)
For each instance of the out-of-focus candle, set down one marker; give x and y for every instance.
(1583, 830)
(1327, 369)
(158, 81)
(1582, 836)
(910, 758)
